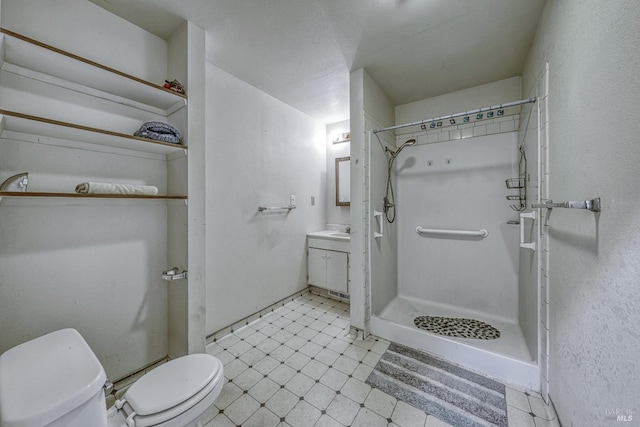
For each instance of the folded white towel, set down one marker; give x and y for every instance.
(108, 188)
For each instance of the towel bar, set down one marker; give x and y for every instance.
(275, 208)
(593, 205)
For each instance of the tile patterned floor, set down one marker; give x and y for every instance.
(299, 366)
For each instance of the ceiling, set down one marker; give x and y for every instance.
(301, 51)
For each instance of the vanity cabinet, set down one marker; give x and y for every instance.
(329, 269)
(328, 262)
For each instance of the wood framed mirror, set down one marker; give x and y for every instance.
(343, 181)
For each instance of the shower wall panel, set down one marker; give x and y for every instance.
(459, 185)
(383, 249)
(528, 260)
(373, 261)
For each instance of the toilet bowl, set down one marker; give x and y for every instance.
(56, 380)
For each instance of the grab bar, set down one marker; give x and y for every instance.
(593, 205)
(275, 208)
(380, 223)
(480, 233)
(526, 245)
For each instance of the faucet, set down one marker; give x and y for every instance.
(348, 230)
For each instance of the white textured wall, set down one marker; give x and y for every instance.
(336, 214)
(373, 266)
(177, 213)
(259, 152)
(85, 29)
(455, 102)
(92, 266)
(358, 256)
(592, 50)
(196, 313)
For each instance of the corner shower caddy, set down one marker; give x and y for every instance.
(519, 183)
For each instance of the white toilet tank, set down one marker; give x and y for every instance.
(54, 381)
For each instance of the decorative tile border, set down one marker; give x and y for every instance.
(451, 132)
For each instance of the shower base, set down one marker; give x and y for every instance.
(506, 358)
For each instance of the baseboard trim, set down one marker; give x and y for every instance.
(257, 315)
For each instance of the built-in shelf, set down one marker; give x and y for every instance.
(85, 196)
(11, 121)
(30, 58)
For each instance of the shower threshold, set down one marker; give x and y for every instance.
(506, 358)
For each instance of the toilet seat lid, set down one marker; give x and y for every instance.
(172, 383)
(47, 377)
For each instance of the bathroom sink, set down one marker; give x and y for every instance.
(338, 234)
(331, 235)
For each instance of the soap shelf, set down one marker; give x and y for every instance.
(515, 182)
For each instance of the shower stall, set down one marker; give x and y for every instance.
(444, 256)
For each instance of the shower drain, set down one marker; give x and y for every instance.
(457, 327)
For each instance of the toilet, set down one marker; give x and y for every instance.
(57, 381)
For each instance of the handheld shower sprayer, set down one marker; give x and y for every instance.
(389, 199)
(394, 154)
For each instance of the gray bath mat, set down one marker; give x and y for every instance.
(451, 393)
(457, 327)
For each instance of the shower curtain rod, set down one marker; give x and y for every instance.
(465, 113)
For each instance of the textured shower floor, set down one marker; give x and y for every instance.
(403, 310)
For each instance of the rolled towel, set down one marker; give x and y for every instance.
(159, 131)
(108, 188)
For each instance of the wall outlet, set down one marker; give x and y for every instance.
(292, 200)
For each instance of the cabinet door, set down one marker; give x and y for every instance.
(317, 267)
(337, 274)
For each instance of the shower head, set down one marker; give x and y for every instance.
(411, 141)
